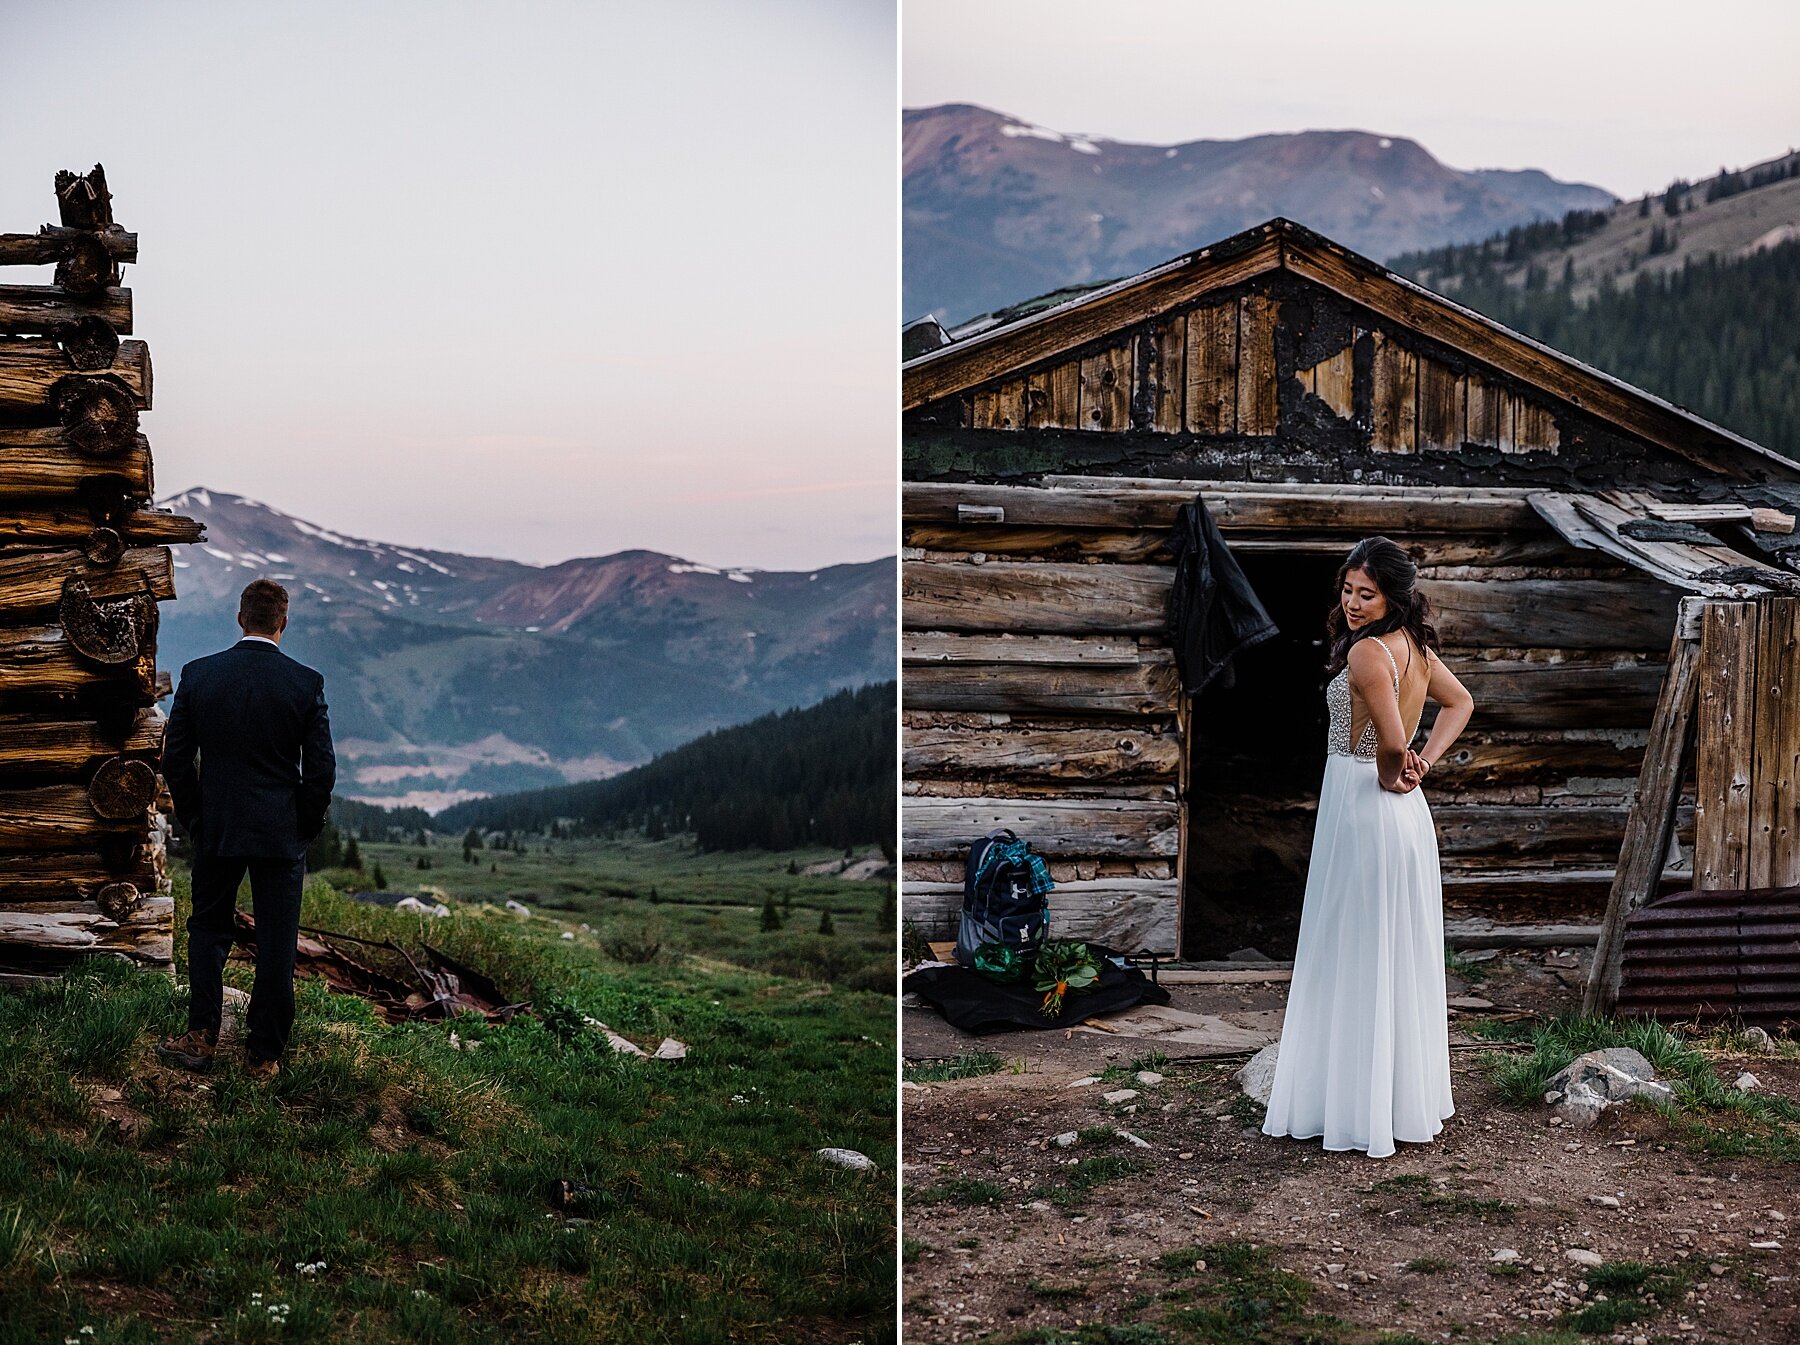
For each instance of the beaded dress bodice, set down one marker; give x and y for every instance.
(1337, 700)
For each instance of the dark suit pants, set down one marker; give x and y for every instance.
(275, 886)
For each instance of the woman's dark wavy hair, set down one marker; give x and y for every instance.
(1396, 576)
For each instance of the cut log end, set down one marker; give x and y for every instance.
(118, 902)
(89, 342)
(111, 633)
(99, 416)
(122, 788)
(103, 547)
(87, 267)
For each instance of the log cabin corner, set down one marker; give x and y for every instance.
(1560, 517)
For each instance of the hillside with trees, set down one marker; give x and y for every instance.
(823, 775)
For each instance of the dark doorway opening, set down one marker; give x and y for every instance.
(1256, 755)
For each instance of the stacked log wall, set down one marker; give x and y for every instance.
(1038, 688)
(84, 561)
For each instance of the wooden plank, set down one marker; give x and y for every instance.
(37, 661)
(1143, 545)
(1626, 613)
(1036, 598)
(1568, 887)
(1485, 759)
(1560, 689)
(1344, 510)
(30, 367)
(1211, 365)
(1333, 382)
(34, 744)
(1147, 689)
(40, 875)
(1126, 827)
(1487, 934)
(38, 463)
(1106, 389)
(1481, 420)
(1001, 407)
(1106, 544)
(1726, 719)
(1774, 819)
(1127, 915)
(32, 581)
(54, 815)
(1062, 330)
(39, 309)
(1026, 752)
(1597, 522)
(1534, 429)
(941, 647)
(1394, 413)
(1506, 414)
(1258, 405)
(1650, 825)
(1441, 409)
(1168, 373)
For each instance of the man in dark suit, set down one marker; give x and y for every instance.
(257, 720)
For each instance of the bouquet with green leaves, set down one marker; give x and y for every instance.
(1063, 966)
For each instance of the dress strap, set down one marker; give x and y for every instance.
(1391, 662)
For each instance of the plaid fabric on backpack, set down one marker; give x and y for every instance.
(1005, 886)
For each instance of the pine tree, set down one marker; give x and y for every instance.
(793, 867)
(352, 855)
(423, 863)
(825, 922)
(379, 877)
(771, 918)
(472, 839)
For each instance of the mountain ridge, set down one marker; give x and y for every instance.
(453, 677)
(997, 209)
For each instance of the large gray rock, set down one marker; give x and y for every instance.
(1591, 1083)
(1257, 1077)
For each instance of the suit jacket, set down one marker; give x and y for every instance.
(257, 721)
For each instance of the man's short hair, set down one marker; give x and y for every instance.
(263, 606)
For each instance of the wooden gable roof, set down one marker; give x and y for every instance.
(1280, 245)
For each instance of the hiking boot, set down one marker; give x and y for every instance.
(260, 1070)
(193, 1049)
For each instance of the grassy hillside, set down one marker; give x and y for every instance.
(635, 895)
(391, 1187)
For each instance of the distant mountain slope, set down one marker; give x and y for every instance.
(819, 776)
(454, 676)
(1690, 294)
(1729, 216)
(996, 210)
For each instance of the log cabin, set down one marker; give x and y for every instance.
(1310, 397)
(84, 561)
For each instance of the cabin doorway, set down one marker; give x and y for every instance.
(1256, 755)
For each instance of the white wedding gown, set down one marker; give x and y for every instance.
(1365, 1051)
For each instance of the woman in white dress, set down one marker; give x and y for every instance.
(1365, 1056)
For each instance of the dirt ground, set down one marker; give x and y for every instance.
(1008, 1230)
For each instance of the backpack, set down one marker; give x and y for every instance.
(1003, 897)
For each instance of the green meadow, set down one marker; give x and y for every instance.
(407, 1183)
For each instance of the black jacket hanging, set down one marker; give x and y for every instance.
(1214, 614)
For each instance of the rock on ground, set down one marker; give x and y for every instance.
(1257, 1077)
(1591, 1083)
(847, 1158)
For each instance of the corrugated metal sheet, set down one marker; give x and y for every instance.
(1709, 954)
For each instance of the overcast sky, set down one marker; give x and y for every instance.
(531, 280)
(1624, 96)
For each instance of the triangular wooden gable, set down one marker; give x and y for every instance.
(1188, 347)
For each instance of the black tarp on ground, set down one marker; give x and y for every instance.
(972, 1003)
